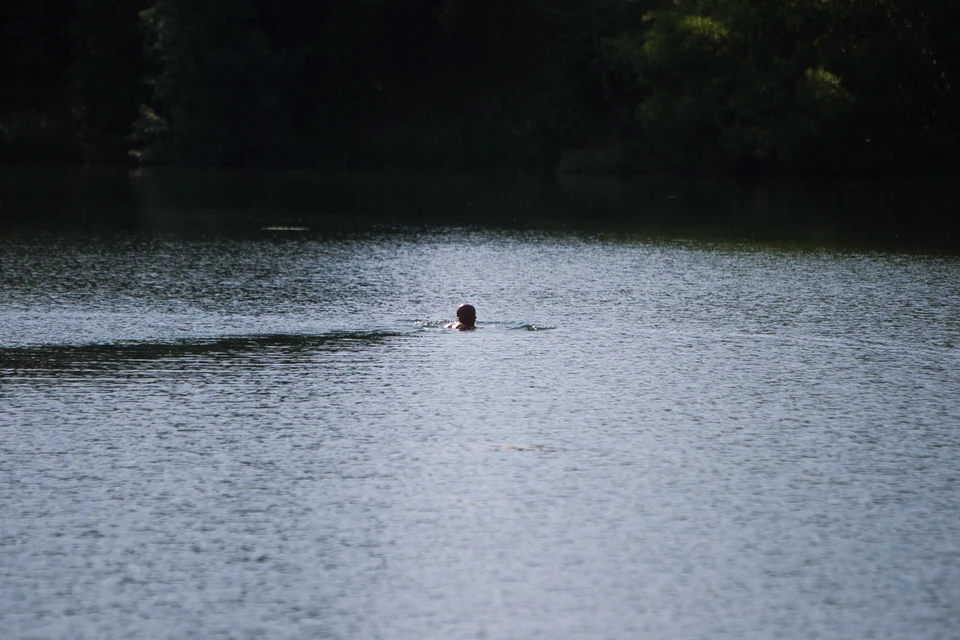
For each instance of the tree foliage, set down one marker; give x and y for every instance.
(811, 86)
(217, 85)
(805, 85)
(105, 78)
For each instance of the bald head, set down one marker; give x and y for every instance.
(467, 315)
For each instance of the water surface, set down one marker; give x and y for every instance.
(269, 435)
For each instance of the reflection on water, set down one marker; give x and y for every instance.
(896, 213)
(254, 436)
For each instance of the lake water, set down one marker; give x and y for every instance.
(223, 429)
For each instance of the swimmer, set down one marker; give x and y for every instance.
(466, 318)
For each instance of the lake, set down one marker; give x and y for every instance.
(223, 418)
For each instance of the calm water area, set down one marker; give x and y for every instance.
(229, 409)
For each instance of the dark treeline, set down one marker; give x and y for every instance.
(841, 87)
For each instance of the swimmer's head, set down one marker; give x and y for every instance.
(467, 314)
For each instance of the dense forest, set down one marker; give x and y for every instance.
(824, 87)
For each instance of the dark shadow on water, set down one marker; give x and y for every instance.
(287, 206)
(127, 355)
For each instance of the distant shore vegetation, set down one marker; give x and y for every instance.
(847, 88)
